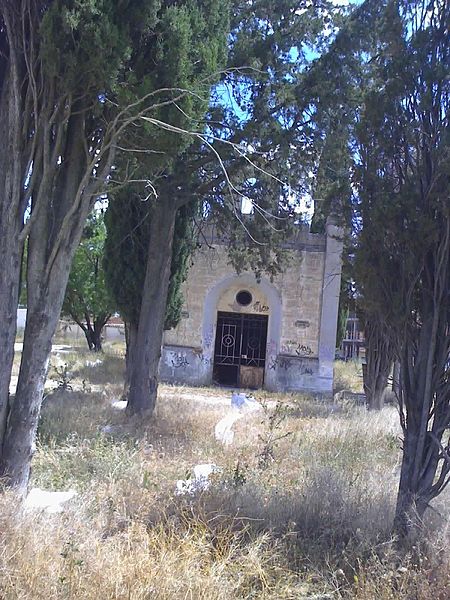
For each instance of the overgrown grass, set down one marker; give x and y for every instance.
(348, 376)
(312, 520)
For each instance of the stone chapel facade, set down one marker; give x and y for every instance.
(242, 333)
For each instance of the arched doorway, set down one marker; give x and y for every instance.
(240, 349)
(241, 331)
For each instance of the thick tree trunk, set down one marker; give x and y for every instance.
(18, 445)
(410, 505)
(131, 331)
(9, 292)
(97, 340)
(46, 288)
(88, 335)
(42, 320)
(379, 357)
(11, 221)
(144, 372)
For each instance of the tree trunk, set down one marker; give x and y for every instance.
(379, 357)
(9, 286)
(97, 339)
(424, 393)
(396, 378)
(11, 221)
(88, 333)
(18, 447)
(93, 334)
(44, 308)
(144, 371)
(410, 507)
(131, 331)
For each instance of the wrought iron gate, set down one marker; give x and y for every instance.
(241, 341)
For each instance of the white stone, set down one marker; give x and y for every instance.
(50, 502)
(223, 431)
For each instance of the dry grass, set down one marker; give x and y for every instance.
(348, 376)
(311, 521)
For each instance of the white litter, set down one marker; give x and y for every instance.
(199, 482)
(51, 502)
(241, 403)
(119, 404)
(93, 363)
(223, 431)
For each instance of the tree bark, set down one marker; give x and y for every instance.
(42, 320)
(131, 331)
(18, 446)
(93, 332)
(420, 481)
(424, 396)
(47, 276)
(379, 357)
(9, 286)
(96, 338)
(396, 378)
(11, 218)
(145, 364)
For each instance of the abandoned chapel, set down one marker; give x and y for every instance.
(243, 333)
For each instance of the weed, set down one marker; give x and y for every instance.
(63, 377)
(274, 417)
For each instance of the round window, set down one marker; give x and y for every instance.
(244, 298)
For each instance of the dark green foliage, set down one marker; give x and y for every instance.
(99, 34)
(190, 46)
(399, 133)
(125, 260)
(183, 247)
(261, 119)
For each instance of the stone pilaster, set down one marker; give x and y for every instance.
(330, 303)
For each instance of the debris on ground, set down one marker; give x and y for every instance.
(200, 480)
(50, 502)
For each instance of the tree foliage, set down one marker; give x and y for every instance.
(125, 258)
(75, 75)
(404, 184)
(395, 104)
(87, 300)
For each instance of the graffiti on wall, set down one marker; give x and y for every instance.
(208, 337)
(178, 360)
(260, 307)
(280, 362)
(285, 363)
(303, 350)
(293, 346)
(205, 360)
